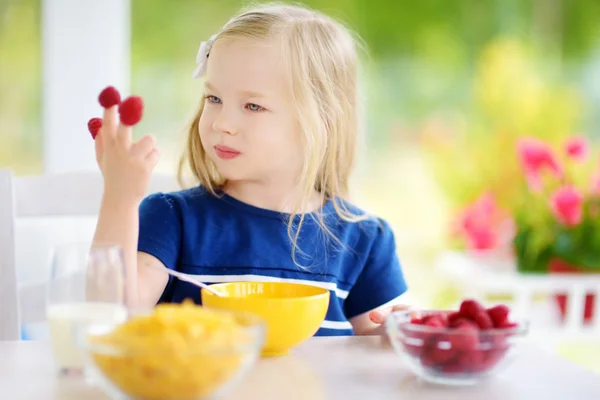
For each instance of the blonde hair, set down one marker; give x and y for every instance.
(321, 59)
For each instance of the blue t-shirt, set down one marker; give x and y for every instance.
(221, 239)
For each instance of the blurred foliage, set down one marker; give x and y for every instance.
(20, 86)
(393, 27)
(421, 60)
(512, 95)
(421, 55)
(515, 95)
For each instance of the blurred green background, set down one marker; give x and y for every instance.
(448, 85)
(445, 81)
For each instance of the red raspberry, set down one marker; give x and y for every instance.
(453, 368)
(484, 321)
(413, 350)
(453, 317)
(463, 321)
(471, 360)
(435, 321)
(444, 318)
(495, 346)
(492, 358)
(94, 126)
(493, 341)
(109, 97)
(415, 342)
(498, 314)
(460, 321)
(507, 324)
(470, 308)
(435, 357)
(131, 110)
(427, 361)
(436, 354)
(426, 318)
(466, 337)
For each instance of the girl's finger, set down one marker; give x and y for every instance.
(379, 316)
(109, 123)
(153, 157)
(400, 307)
(99, 146)
(144, 146)
(123, 135)
(130, 113)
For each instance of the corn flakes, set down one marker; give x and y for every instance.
(179, 351)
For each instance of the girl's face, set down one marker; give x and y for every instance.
(248, 127)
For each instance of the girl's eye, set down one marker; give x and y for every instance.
(213, 99)
(254, 107)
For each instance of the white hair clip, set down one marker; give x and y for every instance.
(202, 57)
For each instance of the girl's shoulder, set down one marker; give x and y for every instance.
(345, 210)
(363, 224)
(179, 202)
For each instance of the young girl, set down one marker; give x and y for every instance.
(271, 147)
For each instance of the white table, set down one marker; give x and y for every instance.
(323, 368)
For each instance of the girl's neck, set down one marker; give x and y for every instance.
(271, 197)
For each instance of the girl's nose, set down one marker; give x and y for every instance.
(224, 123)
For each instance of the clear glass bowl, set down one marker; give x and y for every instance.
(171, 369)
(450, 356)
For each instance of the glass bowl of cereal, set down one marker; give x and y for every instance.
(175, 351)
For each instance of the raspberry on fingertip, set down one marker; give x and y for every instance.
(109, 97)
(131, 110)
(94, 126)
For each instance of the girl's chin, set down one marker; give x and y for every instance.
(233, 174)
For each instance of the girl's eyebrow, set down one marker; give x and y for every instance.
(208, 85)
(247, 93)
(250, 93)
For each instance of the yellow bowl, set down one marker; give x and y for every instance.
(292, 312)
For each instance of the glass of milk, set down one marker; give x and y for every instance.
(87, 285)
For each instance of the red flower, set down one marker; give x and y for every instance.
(567, 205)
(576, 147)
(536, 156)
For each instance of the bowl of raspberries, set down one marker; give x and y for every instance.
(456, 347)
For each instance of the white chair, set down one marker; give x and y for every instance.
(76, 194)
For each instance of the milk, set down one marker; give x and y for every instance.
(62, 320)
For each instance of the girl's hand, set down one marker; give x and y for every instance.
(126, 166)
(378, 317)
(373, 322)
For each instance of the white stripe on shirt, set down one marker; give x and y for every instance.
(342, 325)
(342, 294)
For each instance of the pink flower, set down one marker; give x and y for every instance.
(481, 239)
(594, 183)
(567, 205)
(576, 148)
(536, 156)
(479, 214)
(484, 225)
